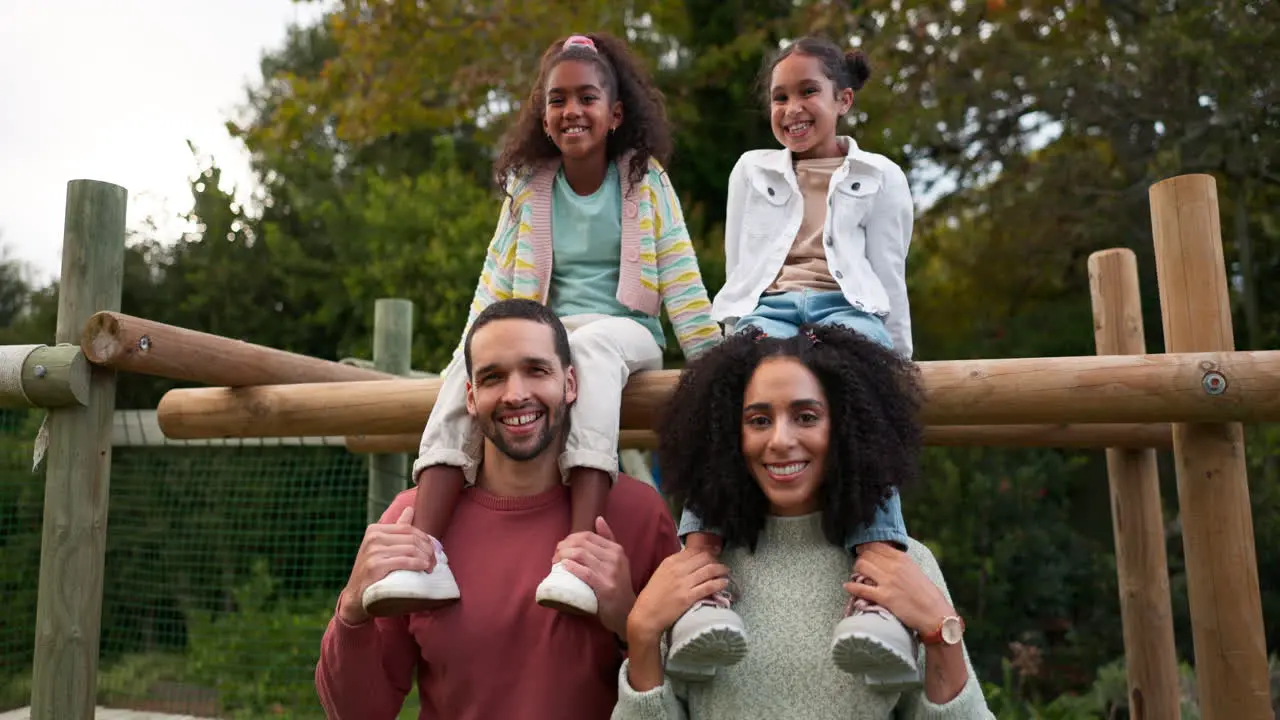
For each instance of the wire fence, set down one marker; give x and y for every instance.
(223, 564)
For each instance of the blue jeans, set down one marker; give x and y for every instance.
(781, 315)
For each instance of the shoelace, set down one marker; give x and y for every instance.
(725, 598)
(862, 605)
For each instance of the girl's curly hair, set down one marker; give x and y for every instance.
(644, 127)
(873, 396)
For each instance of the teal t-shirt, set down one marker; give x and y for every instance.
(586, 233)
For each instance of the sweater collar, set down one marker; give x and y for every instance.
(793, 530)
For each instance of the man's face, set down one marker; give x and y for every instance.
(519, 391)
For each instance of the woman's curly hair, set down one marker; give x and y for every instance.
(644, 127)
(873, 396)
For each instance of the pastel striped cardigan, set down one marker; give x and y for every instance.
(658, 265)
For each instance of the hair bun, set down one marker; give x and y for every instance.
(859, 68)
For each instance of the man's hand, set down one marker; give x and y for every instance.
(599, 561)
(385, 549)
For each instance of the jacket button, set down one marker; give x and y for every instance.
(830, 241)
(857, 185)
(839, 275)
(770, 192)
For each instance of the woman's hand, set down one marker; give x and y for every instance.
(680, 581)
(899, 586)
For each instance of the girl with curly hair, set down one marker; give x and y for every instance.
(590, 226)
(815, 232)
(786, 445)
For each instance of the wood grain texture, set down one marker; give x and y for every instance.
(1137, 519)
(392, 348)
(1089, 389)
(78, 477)
(1213, 489)
(137, 345)
(1097, 435)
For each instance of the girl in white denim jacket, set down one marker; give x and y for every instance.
(817, 232)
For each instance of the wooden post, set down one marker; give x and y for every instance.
(392, 348)
(131, 344)
(1096, 435)
(1213, 490)
(1151, 660)
(77, 481)
(42, 376)
(1088, 389)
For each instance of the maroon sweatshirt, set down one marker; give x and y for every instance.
(496, 653)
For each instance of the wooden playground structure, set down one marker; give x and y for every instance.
(1191, 399)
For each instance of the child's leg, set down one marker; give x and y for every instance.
(606, 351)
(704, 542)
(447, 461)
(778, 315)
(588, 497)
(870, 640)
(710, 634)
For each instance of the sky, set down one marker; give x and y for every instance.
(113, 91)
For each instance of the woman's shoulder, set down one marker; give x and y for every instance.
(922, 556)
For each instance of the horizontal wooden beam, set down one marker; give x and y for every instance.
(1098, 435)
(1191, 387)
(135, 345)
(43, 376)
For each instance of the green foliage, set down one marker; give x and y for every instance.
(1033, 129)
(261, 657)
(1021, 562)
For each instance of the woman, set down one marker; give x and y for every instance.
(785, 444)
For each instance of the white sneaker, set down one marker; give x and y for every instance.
(562, 590)
(870, 641)
(408, 591)
(709, 635)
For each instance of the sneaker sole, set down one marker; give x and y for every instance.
(689, 673)
(889, 682)
(404, 592)
(716, 645)
(858, 653)
(557, 598)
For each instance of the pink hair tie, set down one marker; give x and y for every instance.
(581, 40)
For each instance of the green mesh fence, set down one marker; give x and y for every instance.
(222, 569)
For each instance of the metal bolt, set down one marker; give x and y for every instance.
(144, 343)
(41, 371)
(1214, 382)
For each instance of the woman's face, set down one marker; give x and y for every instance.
(786, 429)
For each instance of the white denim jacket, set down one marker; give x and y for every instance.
(868, 230)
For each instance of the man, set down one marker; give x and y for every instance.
(496, 653)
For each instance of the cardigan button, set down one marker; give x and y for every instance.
(629, 207)
(633, 255)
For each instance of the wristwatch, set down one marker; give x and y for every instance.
(948, 632)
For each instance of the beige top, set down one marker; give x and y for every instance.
(806, 264)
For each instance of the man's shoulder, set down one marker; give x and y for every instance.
(638, 493)
(402, 501)
(637, 504)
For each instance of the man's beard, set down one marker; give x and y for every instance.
(552, 423)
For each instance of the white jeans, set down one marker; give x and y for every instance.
(605, 351)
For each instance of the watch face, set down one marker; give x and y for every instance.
(952, 630)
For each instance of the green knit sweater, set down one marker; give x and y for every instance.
(792, 598)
